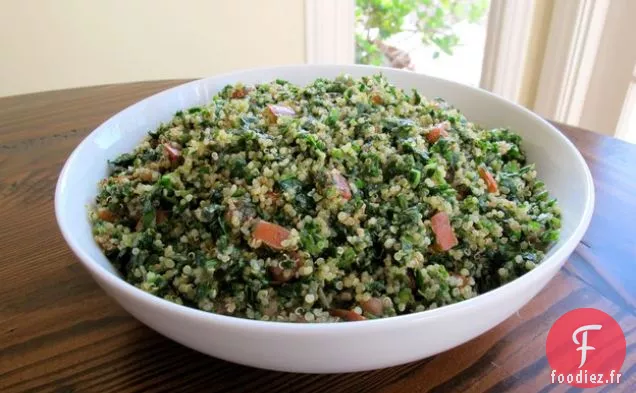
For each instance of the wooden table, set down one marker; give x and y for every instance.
(59, 331)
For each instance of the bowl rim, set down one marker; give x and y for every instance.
(152, 301)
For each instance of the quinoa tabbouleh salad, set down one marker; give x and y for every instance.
(346, 199)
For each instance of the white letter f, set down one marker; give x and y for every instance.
(584, 347)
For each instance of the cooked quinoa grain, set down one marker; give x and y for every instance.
(347, 199)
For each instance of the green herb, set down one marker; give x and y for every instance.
(414, 177)
(149, 213)
(334, 114)
(311, 239)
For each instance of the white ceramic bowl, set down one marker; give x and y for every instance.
(339, 347)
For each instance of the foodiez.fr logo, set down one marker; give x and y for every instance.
(586, 348)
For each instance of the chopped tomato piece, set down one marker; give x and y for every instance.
(491, 183)
(220, 308)
(273, 195)
(106, 215)
(270, 234)
(240, 92)
(271, 309)
(444, 236)
(341, 184)
(172, 152)
(161, 216)
(439, 131)
(373, 306)
(281, 275)
(347, 315)
(412, 283)
(273, 112)
(463, 278)
(229, 213)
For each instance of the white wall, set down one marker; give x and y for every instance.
(57, 44)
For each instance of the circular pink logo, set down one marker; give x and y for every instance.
(586, 348)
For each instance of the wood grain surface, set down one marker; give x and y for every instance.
(60, 333)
